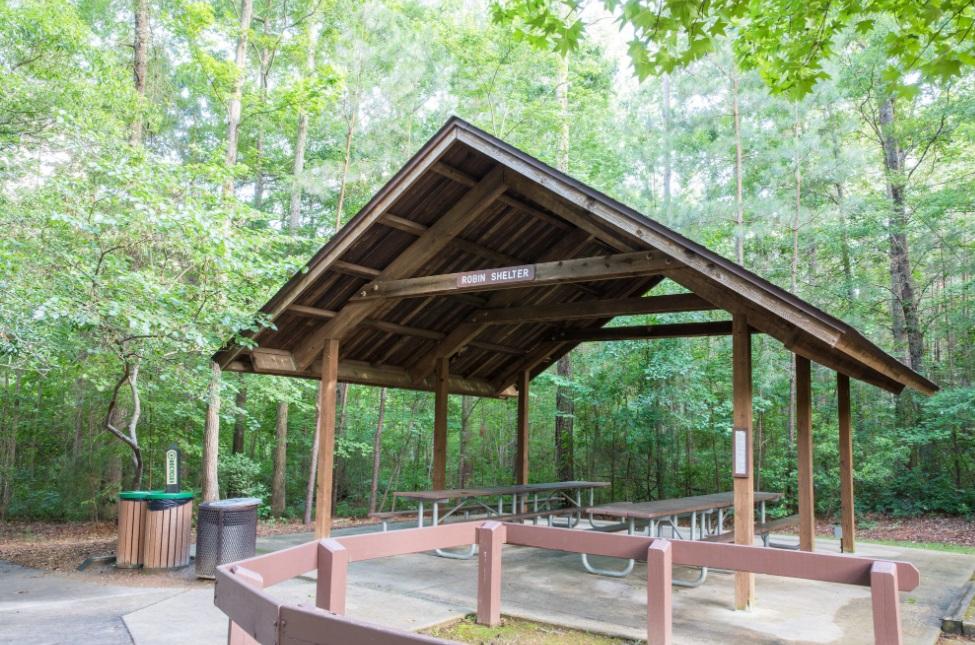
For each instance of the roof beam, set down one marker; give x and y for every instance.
(357, 270)
(640, 332)
(607, 267)
(462, 335)
(400, 330)
(428, 245)
(462, 177)
(787, 333)
(381, 375)
(568, 211)
(674, 303)
(459, 243)
(628, 222)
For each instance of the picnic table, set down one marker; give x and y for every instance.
(706, 514)
(500, 502)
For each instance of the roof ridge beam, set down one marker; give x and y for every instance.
(590, 269)
(428, 245)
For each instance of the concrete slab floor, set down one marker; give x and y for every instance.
(416, 591)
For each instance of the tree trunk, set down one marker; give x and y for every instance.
(349, 130)
(668, 152)
(236, 94)
(114, 419)
(140, 65)
(377, 447)
(313, 468)
(211, 438)
(464, 467)
(739, 191)
(279, 477)
(9, 444)
(301, 140)
(264, 69)
(794, 272)
(906, 325)
(240, 421)
(564, 448)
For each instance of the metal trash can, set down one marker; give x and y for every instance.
(169, 520)
(131, 528)
(226, 531)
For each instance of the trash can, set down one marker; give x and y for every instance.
(131, 528)
(226, 531)
(169, 519)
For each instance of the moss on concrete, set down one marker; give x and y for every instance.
(516, 631)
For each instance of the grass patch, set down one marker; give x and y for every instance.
(930, 546)
(516, 631)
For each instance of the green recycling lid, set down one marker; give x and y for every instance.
(158, 494)
(135, 494)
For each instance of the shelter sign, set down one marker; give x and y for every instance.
(741, 460)
(508, 275)
(172, 469)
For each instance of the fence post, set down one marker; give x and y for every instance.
(237, 635)
(490, 539)
(659, 574)
(333, 569)
(886, 609)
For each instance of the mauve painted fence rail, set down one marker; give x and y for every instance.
(256, 617)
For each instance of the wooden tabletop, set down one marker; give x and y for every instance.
(677, 506)
(494, 491)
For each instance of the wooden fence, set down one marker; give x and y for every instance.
(255, 616)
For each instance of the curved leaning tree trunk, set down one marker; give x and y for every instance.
(114, 424)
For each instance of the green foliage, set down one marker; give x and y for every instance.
(240, 476)
(788, 43)
(115, 254)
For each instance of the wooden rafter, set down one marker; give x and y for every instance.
(464, 211)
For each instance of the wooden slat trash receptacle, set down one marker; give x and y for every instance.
(131, 528)
(169, 519)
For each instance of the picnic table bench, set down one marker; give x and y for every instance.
(507, 503)
(706, 514)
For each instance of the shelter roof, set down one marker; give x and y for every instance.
(467, 201)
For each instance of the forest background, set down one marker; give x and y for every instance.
(166, 166)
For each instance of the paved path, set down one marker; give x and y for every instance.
(415, 591)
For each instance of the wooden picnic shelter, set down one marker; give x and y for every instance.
(477, 266)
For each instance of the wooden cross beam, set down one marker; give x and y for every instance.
(607, 267)
(637, 332)
(592, 309)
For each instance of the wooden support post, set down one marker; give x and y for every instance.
(659, 579)
(744, 477)
(333, 573)
(237, 635)
(490, 540)
(440, 425)
(521, 458)
(804, 454)
(326, 437)
(886, 608)
(848, 522)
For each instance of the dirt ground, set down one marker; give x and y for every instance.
(63, 547)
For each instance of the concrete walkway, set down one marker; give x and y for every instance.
(416, 591)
